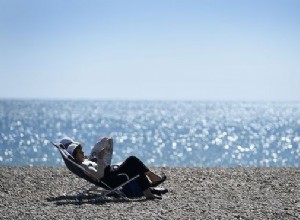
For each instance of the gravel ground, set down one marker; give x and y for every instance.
(194, 193)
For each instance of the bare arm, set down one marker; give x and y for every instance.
(99, 172)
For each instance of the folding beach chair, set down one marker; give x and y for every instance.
(78, 170)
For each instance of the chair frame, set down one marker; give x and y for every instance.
(97, 184)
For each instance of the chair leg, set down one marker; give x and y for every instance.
(116, 190)
(85, 190)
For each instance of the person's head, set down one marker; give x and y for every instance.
(75, 150)
(66, 141)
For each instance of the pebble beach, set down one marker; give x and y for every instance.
(194, 193)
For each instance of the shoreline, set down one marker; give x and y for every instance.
(194, 193)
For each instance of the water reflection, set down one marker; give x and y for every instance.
(161, 133)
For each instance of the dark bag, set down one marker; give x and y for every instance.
(132, 190)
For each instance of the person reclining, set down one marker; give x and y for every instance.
(132, 167)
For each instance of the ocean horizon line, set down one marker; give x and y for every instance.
(145, 100)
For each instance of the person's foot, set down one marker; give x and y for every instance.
(162, 178)
(158, 191)
(149, 195)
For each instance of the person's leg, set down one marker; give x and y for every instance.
(153, 177)
(140, 167)
(132, 166)
(113, 179)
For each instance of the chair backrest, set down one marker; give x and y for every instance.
(75, 167)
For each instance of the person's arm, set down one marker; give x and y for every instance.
(99, 172)
(101, 163)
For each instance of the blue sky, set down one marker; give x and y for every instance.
(140, 50)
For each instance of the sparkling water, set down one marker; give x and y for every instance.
(160, 133)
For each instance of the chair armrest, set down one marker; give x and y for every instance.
(123, 174)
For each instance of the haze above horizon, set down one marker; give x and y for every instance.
(150, 50)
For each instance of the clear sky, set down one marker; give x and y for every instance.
(156, 49)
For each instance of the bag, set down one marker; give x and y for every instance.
(132, 190)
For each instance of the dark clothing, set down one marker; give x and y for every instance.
(132, 166)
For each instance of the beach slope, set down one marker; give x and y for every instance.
(195, 193)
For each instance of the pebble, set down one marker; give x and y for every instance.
(194, 193)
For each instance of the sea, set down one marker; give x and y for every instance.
(160, 133)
